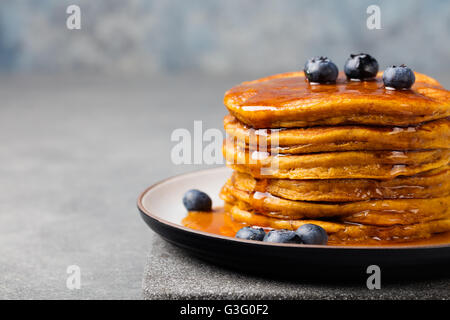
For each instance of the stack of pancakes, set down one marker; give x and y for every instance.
(365, 163)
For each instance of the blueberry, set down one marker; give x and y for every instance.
(400, 77)
(251, 233)
(321, 70)
(312, 234)
(196, 200)
(361, 66)
(281, 236)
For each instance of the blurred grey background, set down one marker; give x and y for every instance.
(155, 37)
(86, 115)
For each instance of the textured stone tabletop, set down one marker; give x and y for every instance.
(172, 273)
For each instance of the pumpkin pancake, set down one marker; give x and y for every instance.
(429, 135)
(342, 232)
(334, 165)
(366, 163)
(373, 212)
(288, 100)
(430, 184)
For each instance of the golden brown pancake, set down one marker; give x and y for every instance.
(430, 184)
(288, 100)
(334, 165)
(429, 135)
(339, 232)
(373, 212)
(366, 163)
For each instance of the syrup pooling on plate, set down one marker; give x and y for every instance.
(215, 222)
(220, 222)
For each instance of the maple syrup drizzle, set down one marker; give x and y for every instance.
(264, 102)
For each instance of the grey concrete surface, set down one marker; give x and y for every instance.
(75, 153)
(173, 274)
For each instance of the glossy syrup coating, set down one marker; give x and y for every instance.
(335, 165)
(288, 100)
(387, 212)
(430, 184)
(366, 163)
(429, 135)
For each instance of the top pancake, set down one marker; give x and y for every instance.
(288, 100)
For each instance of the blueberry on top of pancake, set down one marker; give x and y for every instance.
(361, 66)
(320, 70)
(400, 77)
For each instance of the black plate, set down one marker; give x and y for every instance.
(160, 207)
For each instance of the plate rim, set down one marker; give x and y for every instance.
(180, 227)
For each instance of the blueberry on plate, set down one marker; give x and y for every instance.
(321, 70)
(361, 66)
(196, 200)
(281, 236)
(251, 233)
(312, 234)
(400, 77)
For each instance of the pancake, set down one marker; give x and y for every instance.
(341, 232)
(429, 135)
(334, 165)
(366, 163)
(288, 100)
(373, 212)
(430, 184)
